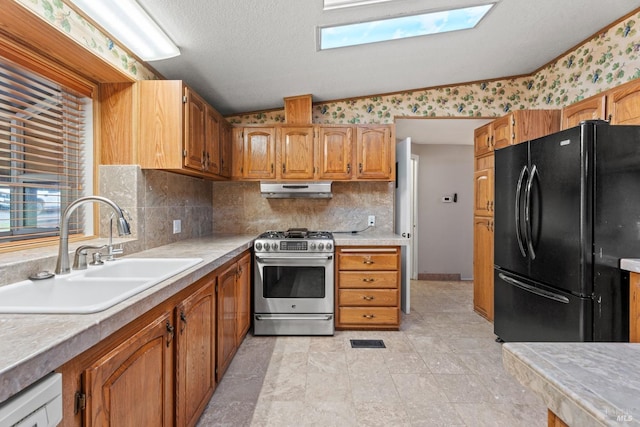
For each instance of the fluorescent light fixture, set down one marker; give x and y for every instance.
(401, 27)
(128, 23)
(338, 4)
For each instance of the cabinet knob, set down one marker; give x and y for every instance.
(170, 333)
(369, 316)
(348, 167)
(360, 167)
(183, 319)
(368, 261)
(368, 280)
(368, 298)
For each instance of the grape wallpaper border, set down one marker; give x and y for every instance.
(609, 59)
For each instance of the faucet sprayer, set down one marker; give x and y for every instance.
(62, 266)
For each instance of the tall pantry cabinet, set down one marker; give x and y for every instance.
(513, 128)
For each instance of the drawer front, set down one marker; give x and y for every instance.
(369, 298)
(368, 280)
(368, 261)
(369, 316)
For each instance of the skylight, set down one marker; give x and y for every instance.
(401, 27)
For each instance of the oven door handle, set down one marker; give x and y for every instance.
(323, 317)
(289, 258)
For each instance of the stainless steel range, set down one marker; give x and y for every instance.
(293, 282)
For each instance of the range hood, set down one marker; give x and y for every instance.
(296, 190)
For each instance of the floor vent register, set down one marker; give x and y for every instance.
(367, 344)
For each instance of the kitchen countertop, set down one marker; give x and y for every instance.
(36, 344)
(585, 384)
(630, 264)
(369, 238)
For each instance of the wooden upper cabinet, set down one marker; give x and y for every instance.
(237, 153)
(259, 153)
(375, 153)
(297, 110)
(195, 352)
(482, 139)
(296, 152)
(623, 104)
(335, 151)
(211, 154)
(591, 108)
(502, 132)
(119, 389)
(483, 192)
(532, 124)
(194, 135)
(226, 144)
(178, 131)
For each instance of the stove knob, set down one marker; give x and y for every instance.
(320, 246)
(258, 246)
(274, 246)
(266, 247)
(329, 246)
(313, 246)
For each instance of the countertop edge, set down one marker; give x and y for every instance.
(560, 401)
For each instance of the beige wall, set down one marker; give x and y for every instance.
(445, 230)
(238, 207)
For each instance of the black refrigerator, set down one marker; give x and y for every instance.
(567, 209)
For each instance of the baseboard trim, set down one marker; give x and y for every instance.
(439, 277)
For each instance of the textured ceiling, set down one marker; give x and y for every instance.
(246, 55)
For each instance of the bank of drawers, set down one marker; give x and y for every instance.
(368, 287)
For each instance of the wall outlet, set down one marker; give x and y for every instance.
(371, 221)
(177, 226)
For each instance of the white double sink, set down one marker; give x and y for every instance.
(94, 289)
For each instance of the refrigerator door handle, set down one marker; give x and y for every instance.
(527, 212)
(523, 250)
(534, 290)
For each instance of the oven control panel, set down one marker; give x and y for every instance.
(293, 246)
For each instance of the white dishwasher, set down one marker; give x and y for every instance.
(39, 405)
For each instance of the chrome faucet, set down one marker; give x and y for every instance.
(62, 266)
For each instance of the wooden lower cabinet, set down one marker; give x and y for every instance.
(368, 287)
(554, 421)
(234, 310)
(483, 266)
(634, 307)
(160, 369)
(195, 353)
(132, 385)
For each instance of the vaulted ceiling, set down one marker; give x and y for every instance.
(246, 55)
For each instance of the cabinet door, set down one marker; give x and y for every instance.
(237, 153)
(502, 131)
(531, 124)
(634, 307)
(588, 109)
(482, 139)
(483, 192)
(259, 153)
(212, 141)
(226, 296)
(226, 143)
(243, 298)
(335, 151)
(296, 150)
(195, 353)
(374, 152)
(132, 384)
(483, 267)
(194, 156)
(623, 104)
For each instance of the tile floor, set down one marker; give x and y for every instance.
(443, 368)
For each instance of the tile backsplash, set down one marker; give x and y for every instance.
(238, 207)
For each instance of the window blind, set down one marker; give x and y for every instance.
(42, 126)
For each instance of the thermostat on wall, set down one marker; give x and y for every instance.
(449, 198)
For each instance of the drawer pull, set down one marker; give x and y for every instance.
(368, 261)
(369, 316)
(368, 279)
(368, 298)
